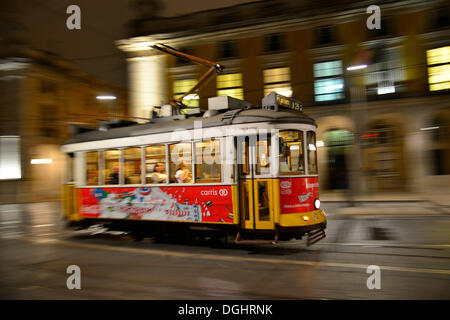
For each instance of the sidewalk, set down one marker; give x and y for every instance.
(386, 204)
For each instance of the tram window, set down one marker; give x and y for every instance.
(243, 156)
(92, 168)
(291, 152)
(111, 170)
(263, 155)
(207, 161)
(180, 165)
(155, 164)
(132, 165)
(69, 168)
(312, 152)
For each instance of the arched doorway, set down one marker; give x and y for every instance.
(338, 142)
(438, 144)
(382, 156)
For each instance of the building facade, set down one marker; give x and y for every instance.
(40, 97)
(379, 96)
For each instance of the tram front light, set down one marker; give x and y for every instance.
(306, 218)
(317, 203)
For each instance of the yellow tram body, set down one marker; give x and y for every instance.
(266, 177)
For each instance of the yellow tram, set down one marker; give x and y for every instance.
(236, 169)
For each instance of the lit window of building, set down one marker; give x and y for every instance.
(328, 81)
(438, 61)
(386, 75)
(180, 87)
(230, 85)
(10, 167)
(277, 80)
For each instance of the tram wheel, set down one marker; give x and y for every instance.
(138, 235)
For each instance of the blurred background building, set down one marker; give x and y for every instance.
(380, 97)
(41, 96)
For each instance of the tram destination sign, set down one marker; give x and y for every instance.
(275, 101)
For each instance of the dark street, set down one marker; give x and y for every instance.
(36, 250)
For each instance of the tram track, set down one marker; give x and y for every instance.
(240, 258)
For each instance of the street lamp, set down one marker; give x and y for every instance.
(357, 67)
(106, 97)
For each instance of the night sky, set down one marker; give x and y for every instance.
(102, 22)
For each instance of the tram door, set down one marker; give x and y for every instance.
(256, 205)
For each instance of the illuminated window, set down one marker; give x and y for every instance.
(384, 76)
(328, 81)
(132, 165)
(277, 80)
(230, 85)
(180, 167)
(92, 168)
(438, 61)
(312, 152)
(180, 87)
(111, 170)
(291, 152)
(10, 167)
(155, 164)
(262, 155)
(207, 161)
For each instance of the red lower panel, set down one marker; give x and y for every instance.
(298, 194)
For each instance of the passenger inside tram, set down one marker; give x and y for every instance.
(114, 176)
(183, 175)
(158, 175)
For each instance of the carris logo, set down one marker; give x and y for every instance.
(223, 192)
(285, 184)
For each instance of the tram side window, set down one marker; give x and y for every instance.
(111, 170)
(243, 155)
(92, 168)
(132, 165)
(180, 165)
(291, 152)
(207, 161)
(312, 152)
(155, 164)
(263, 155)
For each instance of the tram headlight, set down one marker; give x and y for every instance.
(306, 218)
(317, 203)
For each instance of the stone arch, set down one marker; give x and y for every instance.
(383, 153)
(333, 160)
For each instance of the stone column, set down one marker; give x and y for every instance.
(147, 84)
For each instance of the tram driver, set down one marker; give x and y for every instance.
(158, 175)
(183, 175)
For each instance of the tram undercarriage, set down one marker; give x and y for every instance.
(188, 231)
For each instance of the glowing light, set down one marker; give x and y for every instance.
(386, 90)
(306, 218)
(429, 128)
(106, 98)
(357, 67)
(311, 147)
(41, 161)
(320, 143)
(317, 203)
(334, 87)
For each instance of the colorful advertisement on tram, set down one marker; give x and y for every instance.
(176, 203)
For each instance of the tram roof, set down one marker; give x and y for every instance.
(253, 115)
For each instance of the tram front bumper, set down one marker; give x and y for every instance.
(304, 220)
